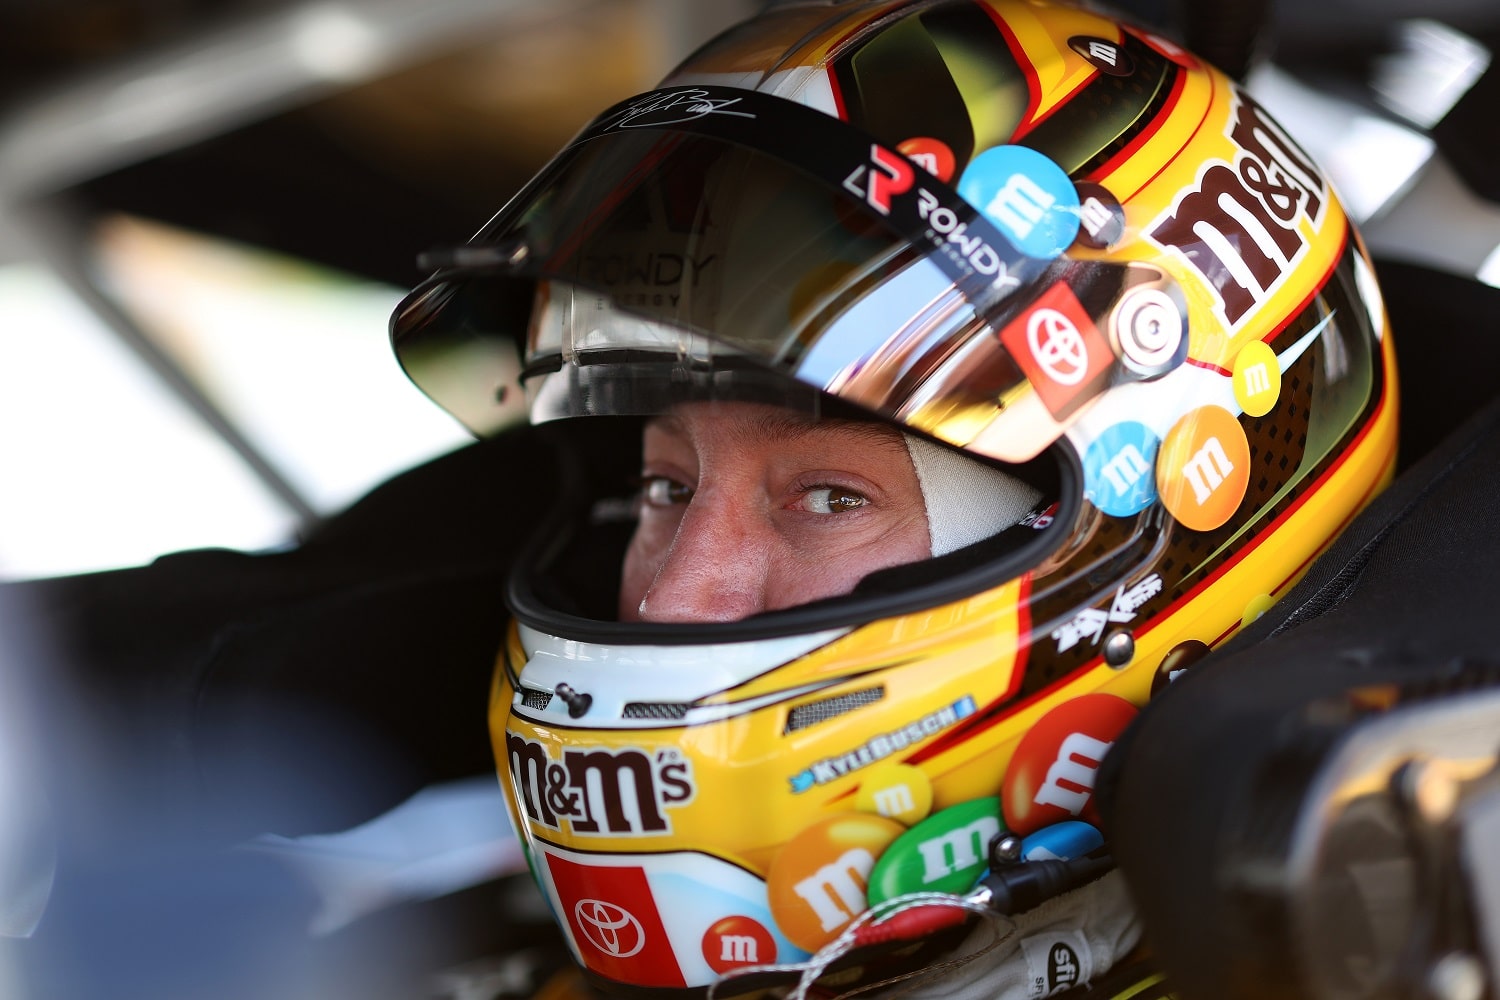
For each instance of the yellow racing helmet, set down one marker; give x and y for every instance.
(1055, 242)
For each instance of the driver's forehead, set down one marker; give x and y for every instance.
(726, 425)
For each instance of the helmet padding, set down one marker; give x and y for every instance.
(967, 500)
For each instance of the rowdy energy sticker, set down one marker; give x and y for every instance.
(1088, 624)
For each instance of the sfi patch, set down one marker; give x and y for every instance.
(1056, 961)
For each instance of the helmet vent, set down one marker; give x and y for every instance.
(670, 710)
(535, 699)
(813, 712)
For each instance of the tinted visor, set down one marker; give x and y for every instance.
(695, 242)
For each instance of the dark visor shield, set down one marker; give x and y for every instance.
(698, 239)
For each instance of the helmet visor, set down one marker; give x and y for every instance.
(731, 242)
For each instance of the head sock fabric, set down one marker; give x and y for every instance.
(967, 500)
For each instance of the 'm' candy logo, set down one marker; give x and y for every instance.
(736, 941)
(1050, 779)
(817, 882)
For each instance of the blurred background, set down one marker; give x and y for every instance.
(207, 211)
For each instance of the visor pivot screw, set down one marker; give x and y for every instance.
(1150, 332)
(1119, 649)
(577, 702)
(1005, 850)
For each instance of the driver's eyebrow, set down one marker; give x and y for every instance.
(787, 427)
(778, 427)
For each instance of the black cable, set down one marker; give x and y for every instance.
(1020, 887)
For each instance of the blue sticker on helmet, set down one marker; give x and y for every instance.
(1061, 842)
(1119, 469)
(1027, 195)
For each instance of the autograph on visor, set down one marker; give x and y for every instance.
(672, 106)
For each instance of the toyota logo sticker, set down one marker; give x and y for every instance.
(609, 927)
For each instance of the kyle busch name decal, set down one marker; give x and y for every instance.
(600, 791)
(1238, 228)
(883, 746)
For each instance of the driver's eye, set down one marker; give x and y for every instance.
(831, 500)
(659, 491)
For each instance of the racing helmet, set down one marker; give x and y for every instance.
(1056, 243)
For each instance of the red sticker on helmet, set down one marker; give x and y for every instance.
(1051, 777)
(614, 923)
(932, 155)
(736, 942)
(1060, 349)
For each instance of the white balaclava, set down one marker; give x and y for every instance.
(967, 501)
